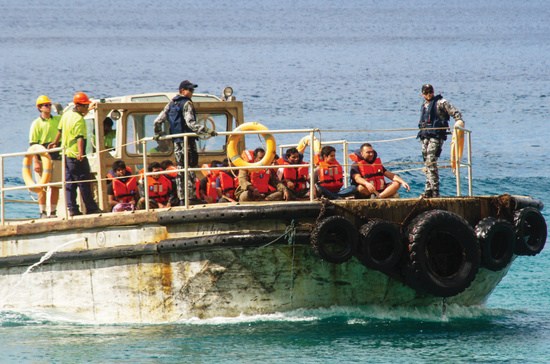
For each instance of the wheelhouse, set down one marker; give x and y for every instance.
(133, 120)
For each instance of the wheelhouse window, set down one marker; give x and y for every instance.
(217, 122)
(140, 125)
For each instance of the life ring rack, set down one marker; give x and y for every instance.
(234, 154)
(46, 168)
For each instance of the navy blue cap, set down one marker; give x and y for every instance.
(187, 85)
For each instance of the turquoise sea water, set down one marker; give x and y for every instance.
(320, 64)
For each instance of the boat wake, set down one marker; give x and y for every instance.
(353, 316)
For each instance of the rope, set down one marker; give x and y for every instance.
(290, 235)
(391, 140)
(323, 210)
(291, 238)
(413, 210)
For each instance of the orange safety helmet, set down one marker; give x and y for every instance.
(81, 98)
(43, 99)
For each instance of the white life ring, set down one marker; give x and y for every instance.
(306, 141)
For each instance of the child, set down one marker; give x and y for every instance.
(122, 191)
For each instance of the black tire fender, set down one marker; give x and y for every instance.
(531, 231)
(380, 244)
(444, 253)
(335, 239)
(497, 239)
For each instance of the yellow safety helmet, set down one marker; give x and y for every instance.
(43, 99)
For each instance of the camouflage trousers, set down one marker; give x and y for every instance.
(431, 150)
(192, 160)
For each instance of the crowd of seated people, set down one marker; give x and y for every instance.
(368, 179)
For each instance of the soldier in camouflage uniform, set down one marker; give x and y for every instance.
(435, 112)
(182, 118)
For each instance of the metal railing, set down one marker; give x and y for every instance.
(4, 189)
(187, 169)
(311, 166)
(346, 144)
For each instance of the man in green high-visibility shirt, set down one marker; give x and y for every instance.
(72, 132)
(42, 132)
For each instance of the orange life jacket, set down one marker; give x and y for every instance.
(228, 184)
(125, 191)
(260, 179)
(211, 190)
(317, 159)
(171, 174)
(373, 172)
(159, 189)
(297, 175)
(141, 173)
(248, 155)
(197, 188)
(331, 175)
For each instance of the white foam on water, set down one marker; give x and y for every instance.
(358, 315)
(363, 315)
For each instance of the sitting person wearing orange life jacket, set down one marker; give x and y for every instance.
(168, 165)
(258, 184)
(112, 174)
(159, 188)
(123, 190)
(367, 175)
(206, 190)
(226, 184)
(294, 179)
(329, 175)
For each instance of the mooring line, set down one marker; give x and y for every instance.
(291, 238)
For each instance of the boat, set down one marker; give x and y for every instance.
(231, 259)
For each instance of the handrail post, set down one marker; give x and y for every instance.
(470, 182)
(345, 150)
(186, 174)
(64, 181)
(2, 187)
(311, 167)
(145, 174)
(457, 165)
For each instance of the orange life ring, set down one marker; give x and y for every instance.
(27, 170)
(234, 155)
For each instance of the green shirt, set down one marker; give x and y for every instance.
(44, 131)
(109, 138)
(72, 126)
